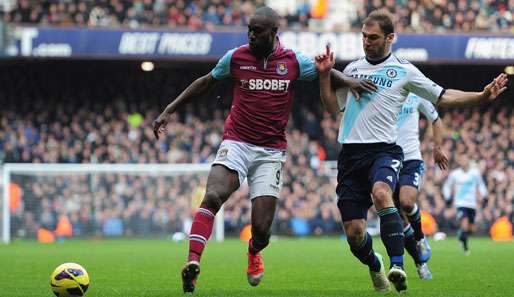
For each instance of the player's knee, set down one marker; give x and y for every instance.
(382, 196)
(213, 200)
(407, 205)
(354, 234)
(261, 231)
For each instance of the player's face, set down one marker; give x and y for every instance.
(375, 43)
(261, 35)
(463, 161)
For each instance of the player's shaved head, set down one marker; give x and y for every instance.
(270, 16)
(262, 30)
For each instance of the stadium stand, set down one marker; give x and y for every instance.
(411, 15)
(92, 113)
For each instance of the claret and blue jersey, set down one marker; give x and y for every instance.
(262, 93)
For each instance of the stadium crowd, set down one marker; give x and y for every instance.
(411, 15)
(57, 118)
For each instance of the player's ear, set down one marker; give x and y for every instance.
(390, 37)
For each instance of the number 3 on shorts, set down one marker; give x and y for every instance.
(395, 164)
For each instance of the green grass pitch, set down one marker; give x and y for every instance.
(294, 267)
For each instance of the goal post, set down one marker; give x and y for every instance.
(68, 171)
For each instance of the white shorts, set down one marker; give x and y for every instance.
(261, 166)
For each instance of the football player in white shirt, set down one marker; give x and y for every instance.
(370, 159)
(462, 187)
(411, 173)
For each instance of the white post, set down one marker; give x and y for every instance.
(6, 225)
(219, 224)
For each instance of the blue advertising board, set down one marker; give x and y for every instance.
(173, 45)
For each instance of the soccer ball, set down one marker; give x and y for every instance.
(69, 280)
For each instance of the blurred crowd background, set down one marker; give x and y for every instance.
(85, 112)
(101, 112)
(334, 15)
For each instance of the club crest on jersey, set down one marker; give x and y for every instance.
(281, 68)
(222, 154)
(391, 73)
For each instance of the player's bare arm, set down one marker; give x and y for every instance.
(331, 79)
(457, 98)
(324, 64)
(196, 89)
(440, 157)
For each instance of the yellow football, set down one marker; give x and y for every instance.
(69, 280)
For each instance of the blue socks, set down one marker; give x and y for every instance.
(415, 221)
(410, 244)
(391, 232)
(364, 252)
(463, 237)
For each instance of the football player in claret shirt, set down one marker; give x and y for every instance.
(254, 142)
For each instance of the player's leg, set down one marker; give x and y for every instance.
(409, 184)
(361, 246)
(411, 246)
(464, 233)
(227, 173)
(263, 212)
(410, 242)
(408, 232)
(353, 191)
(221, 183)
(408, 198)
(265, 183)
(384, 177)
(467, 227)
(464, 226)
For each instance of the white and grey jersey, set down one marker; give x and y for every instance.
(373, 118)
(408, 125)
(463, 187)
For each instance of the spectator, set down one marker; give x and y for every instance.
(77, 122)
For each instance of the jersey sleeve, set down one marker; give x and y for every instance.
(308, 71)
(428, 110)
(222, 69)
(422, 86)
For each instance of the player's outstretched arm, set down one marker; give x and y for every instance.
(440, 157)
(456, 98)
(199, 87)
(357, 86)
(331, 79)
(324, 64)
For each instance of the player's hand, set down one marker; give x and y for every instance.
(495, 88)
(325, 62)
(160, 125)
(358, 86)
(440, 158)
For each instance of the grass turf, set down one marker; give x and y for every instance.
(294, 267)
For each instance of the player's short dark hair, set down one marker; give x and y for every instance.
(271, 15)
(383, 18)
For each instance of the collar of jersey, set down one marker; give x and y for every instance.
(378, 61)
